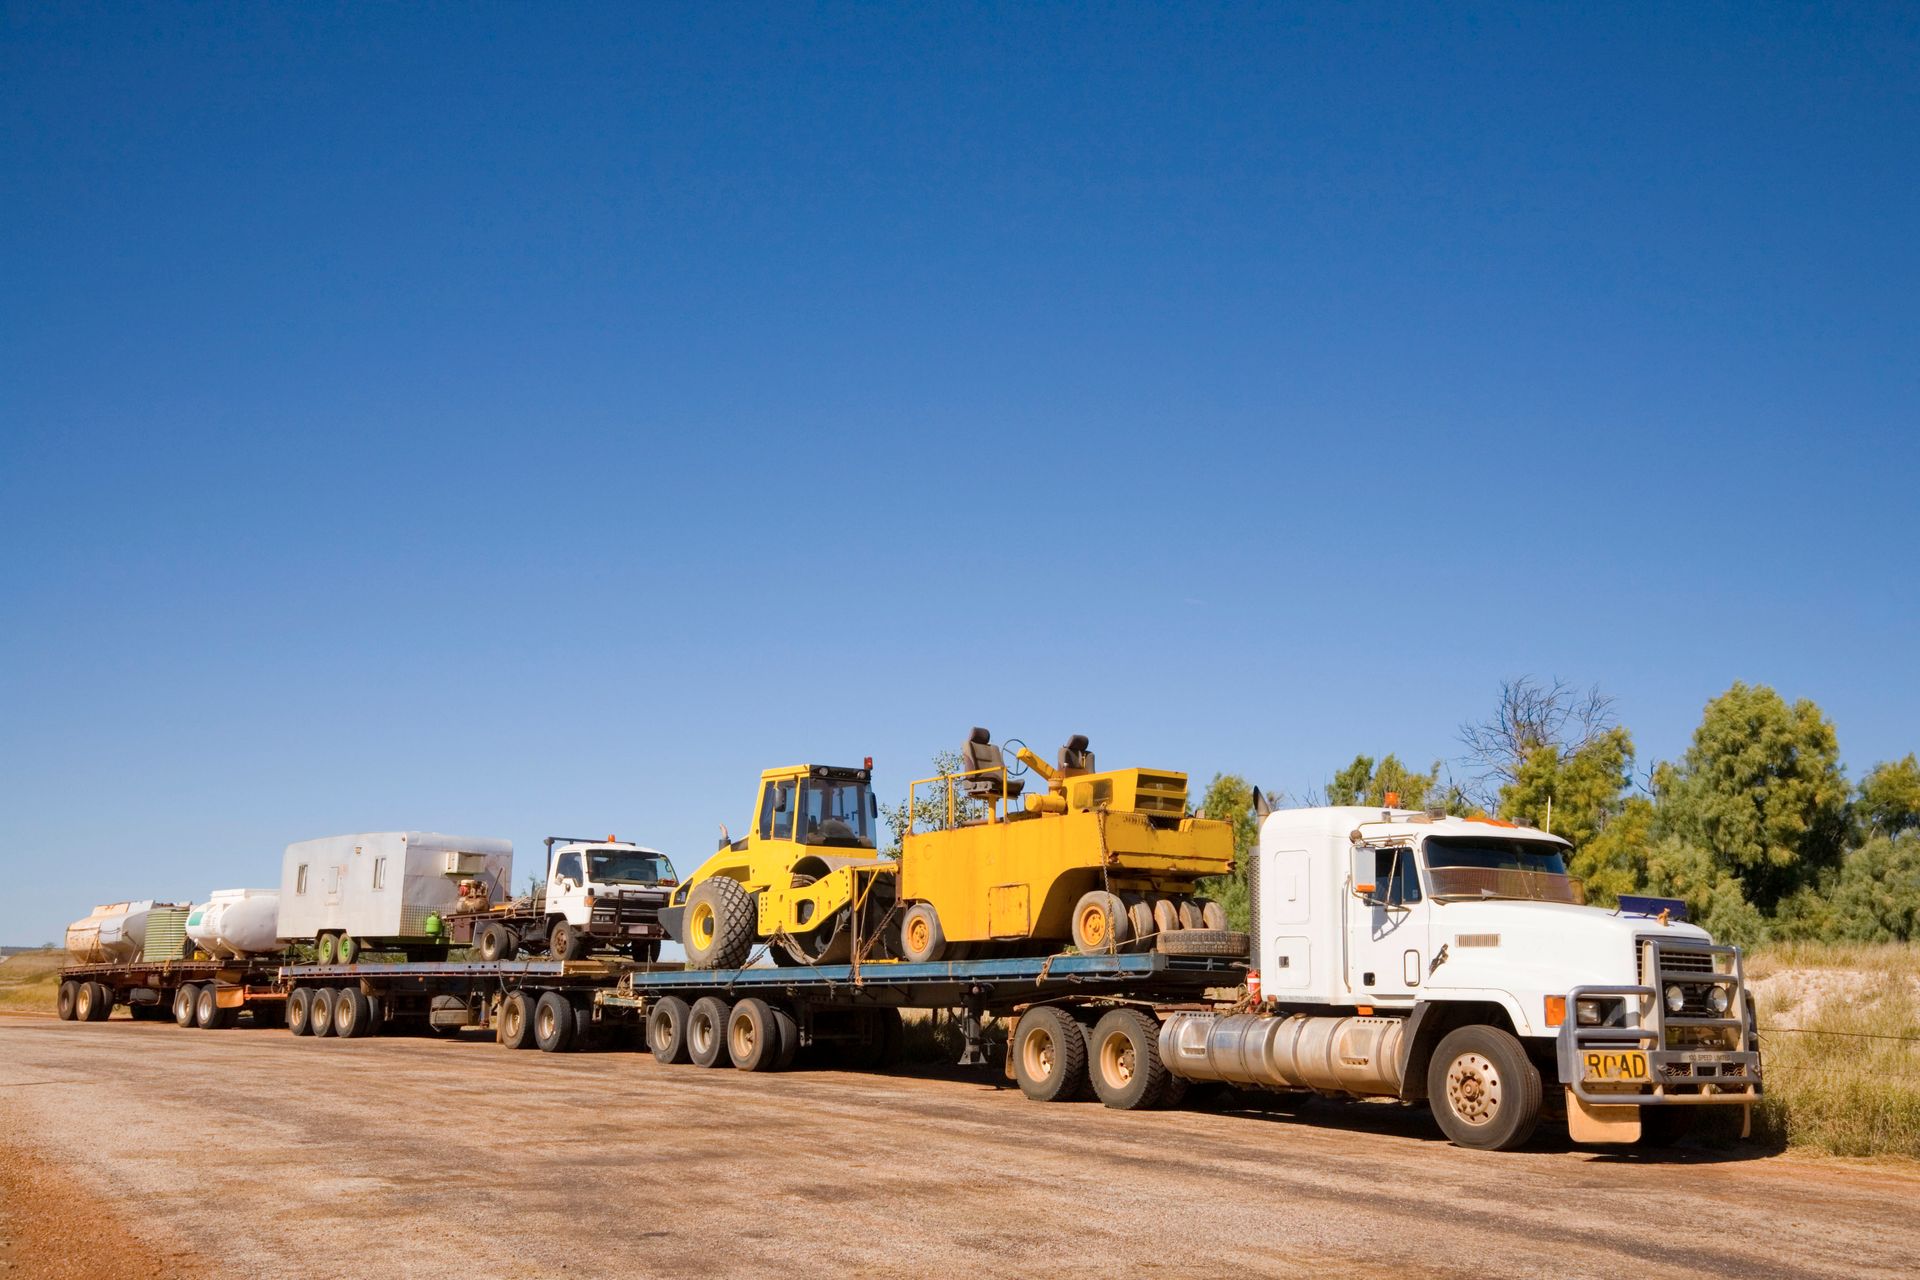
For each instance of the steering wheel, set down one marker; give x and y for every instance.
(1016, 767)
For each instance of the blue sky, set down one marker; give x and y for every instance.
(514, 420)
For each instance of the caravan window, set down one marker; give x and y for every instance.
(300, 879)
(379, 873)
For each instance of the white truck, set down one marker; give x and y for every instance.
(597, 893)
(1414, 955)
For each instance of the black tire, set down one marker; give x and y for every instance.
(184, 1000)
(1202, 942)
(351, 1014)
(1124, 1060)
(554, 1024)
(320, 1012)
(707, 1032)
(1484, 1090)
(922, 940)
(516, 1021)
(207, 1013)
(65, 999)
(1173, 1093)
(1100, 923)
(753, 1035)
(1049, 1053)
(300, 1011)
(667, 1030)
(719, 924)
(566, 942)
(789, 1038)
(496, 943)
(645, 950)
(90, 1003)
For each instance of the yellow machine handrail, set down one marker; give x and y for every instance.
(949, 779)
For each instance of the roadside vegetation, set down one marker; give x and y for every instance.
(30, 979)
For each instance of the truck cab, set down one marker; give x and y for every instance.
(607, 893)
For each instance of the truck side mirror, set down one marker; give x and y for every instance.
(873, 805)
(1365, 872)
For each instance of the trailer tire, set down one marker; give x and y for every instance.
(350, 1013)
(516, 1021)
(184, 997)
(753, 1037)
(326, 949)
(719, 924)
(300, 1011)
(1202, 942)
(65, 1000)
(320, 1012)
(789, 1028)
(667, 1030)
(1049, 1053)
(207, 1013)
(1124, 1060)
(554, 1024)
(496, 943)
(707, 1032)
(1484, 1090)
(1100, 923)
(348, 949)
(922, 940)
(86, 1002)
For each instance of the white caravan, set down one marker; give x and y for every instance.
(387, 889)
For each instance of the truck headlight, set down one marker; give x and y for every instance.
(1676, 998)
(1589, 1013)
(1718, 999)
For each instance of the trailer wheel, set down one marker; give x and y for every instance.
(789, 1028)
(86, 1002)
(719, 924)
(1212, 914)
(1100, 923)
(1484, 1090)
(207, 1013)
(347, 949)
(667, 1029)
(1126, 1068)
(516, 1021)
(184, 998)
(495, 943)
(707, 1031)
(1049, 1055)
(922, 940)
(350, 1020)
(300, 1011)
(753, 1038)
(326, 949)
(320, 1015)
(67, 997)
(554, 1023)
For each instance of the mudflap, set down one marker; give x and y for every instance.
(1589, 1123)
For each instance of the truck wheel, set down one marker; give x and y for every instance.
(67, 997)
(516, 1021)
(1100, 923)
(320, 1012)
(1049, 1055)
(707, 1031)
(1125, 1060)
(719, 924)
(496, 943)
(300, 1011)
(350, 1020)
(789, 1029)
(667, 1029)
(753, 1038)
(566, 942)
(922, 940)
(1212, 914)
(347, 949)
(1484, 1090)
(1190, 913)
(1166, 916)
(553, 1023)
(183, 1001)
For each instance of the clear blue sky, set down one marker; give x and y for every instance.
(513, 420)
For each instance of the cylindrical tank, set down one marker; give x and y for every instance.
(1332, 1055)
(114, 932)
(236, 922)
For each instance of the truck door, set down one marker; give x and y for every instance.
(1387, 928)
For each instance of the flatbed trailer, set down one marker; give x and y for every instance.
(204, 993)
(548, 1004)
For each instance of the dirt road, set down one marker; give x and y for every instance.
(251, 1153)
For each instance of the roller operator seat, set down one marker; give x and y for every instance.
(980, 753)
(1075, 758)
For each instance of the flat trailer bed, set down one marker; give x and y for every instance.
(156, 989)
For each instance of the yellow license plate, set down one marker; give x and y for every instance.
(1622, 1066)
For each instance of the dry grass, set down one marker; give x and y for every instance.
(29, 980)
(1840, 1028)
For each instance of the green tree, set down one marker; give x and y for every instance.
(926, 809)
(1760, 790)
(1890, 797)
(1229, 798)
(1572, 793)
(1365, 783)
(1715, 898)
(1614, 860)
(1876, 896)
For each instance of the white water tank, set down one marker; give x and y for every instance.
(113, 933)
(236, 922)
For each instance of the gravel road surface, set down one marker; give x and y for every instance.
(146, 1150)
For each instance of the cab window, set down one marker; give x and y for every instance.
(836, 812)
(776, 811)
(1402, 878)
(568, 868)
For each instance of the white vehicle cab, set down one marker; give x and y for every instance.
(1421, 956)
(598, 893)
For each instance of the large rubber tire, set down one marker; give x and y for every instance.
(753, 1036)
(320, 1012)
(65, 999)
(352, 1016)
(207, 1013)
(1100, 923)
(789, 1038)
(554, 1023)
(719, 924)
(496, 943)
(87, 1003)
(1124, 1060)
(1139, 921)
(1202, 942)
(707, 1031)
(1484, 1090)
(644, 950)
(516, 1021)
(667, 1030)
(326, 949)
(566, 942)
(348, 949)
(1166, 916)
(1191, 913)
(184, 997)
(1049, 1053)
(300, 1011)
(922, 940)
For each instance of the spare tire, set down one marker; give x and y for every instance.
(1203, 942)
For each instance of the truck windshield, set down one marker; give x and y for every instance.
(833, 812)
(1489, 867)
(627, 866)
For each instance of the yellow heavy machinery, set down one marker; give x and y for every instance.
(805, 877)
(1104, 860)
